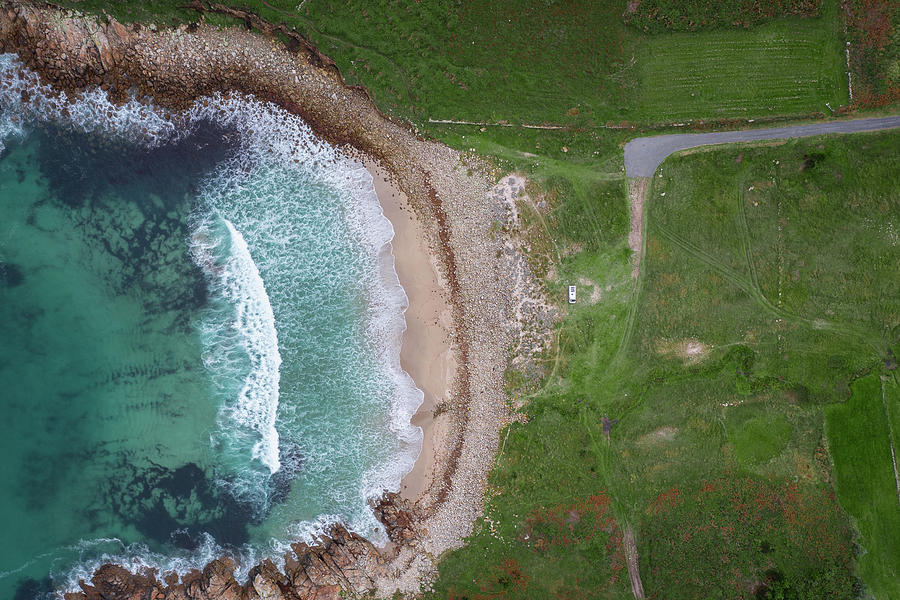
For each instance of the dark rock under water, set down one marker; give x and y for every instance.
(178, 506)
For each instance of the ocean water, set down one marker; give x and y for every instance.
(199, 336)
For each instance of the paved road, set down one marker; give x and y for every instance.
(643, 155)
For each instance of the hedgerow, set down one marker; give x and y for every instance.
(655, 16)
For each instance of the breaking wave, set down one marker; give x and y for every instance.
(241, 346)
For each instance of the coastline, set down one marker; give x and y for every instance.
(463, 314)
(425, 352)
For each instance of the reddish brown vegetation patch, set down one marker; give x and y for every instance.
(584, 523)
(655, 16)
(872, 26)
(735, 530)
(563, 525)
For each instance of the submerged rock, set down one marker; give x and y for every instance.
(11, 275)
(291, 463)
(178, 505)
(31, 589)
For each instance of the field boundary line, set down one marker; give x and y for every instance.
(489, 124)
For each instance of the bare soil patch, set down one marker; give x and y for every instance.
(637, 192)
(663, 434)
(690, 350)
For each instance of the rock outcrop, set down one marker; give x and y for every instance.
(339, 564)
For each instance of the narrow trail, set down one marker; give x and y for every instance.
(631, 557)
(637, 193)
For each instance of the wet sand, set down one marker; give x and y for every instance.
(426, 346)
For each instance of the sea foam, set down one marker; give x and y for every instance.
(244, 323)
(251, 195)
(256, 191)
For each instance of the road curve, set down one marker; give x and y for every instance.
(643, 155)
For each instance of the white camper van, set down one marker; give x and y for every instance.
(571, 294)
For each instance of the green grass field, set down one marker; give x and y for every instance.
(800, 244)
(569, 63)
(796, 262)
(859, 439)
(789, 66)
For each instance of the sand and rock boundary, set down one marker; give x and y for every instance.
(450, 195)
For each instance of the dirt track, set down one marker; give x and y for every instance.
(637, 587)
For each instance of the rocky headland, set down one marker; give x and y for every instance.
(341, 563)
(481, 275)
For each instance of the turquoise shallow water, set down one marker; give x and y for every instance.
(199, 328)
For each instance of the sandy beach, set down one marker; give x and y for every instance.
(426, 352)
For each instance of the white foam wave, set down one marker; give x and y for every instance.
(91, 554)
(139, 559)
(25, 99)
(237, 279)
(387, 304)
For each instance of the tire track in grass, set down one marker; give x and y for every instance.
(753, 290)
(745, 239)
(732, 277)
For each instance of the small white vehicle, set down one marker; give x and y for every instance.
(571, 294)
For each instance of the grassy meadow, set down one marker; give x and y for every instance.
(767, 294)
(859, 435)
(565, 63)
